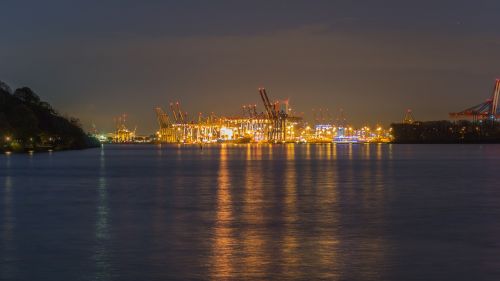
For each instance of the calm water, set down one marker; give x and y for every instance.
(258, 212)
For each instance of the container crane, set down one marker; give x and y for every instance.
(277, 132)
(485, 110)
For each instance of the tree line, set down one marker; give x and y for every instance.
(462, 131)
(28, 123)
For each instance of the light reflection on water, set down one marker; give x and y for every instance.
(7, 252)
(102, 232)
(223, 244)
(258, 212)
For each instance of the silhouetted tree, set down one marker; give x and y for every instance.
(24, 121)
(5, 88)
(4, 124)
(33, 122)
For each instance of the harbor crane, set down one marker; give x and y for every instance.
(408, 119)
(487, 110)
(277, 132)
(250, 110)
(163, 118)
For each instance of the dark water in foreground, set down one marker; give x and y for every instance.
(259, 212)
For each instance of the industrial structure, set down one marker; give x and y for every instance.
(278, 123)
(487, 110)
(122, 134)
(408, 119)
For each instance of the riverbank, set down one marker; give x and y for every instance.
(17, 148)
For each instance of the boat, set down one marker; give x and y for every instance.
(346, 140)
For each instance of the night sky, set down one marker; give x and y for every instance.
(98, 59)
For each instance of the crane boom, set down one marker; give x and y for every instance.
(254, 108)
(496, 93)
(250, 113)
(271, 113)
(268, 111)
(181, 116)
(172, 108)
(485, 110)
(163, 119)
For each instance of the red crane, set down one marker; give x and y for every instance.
(485, 110)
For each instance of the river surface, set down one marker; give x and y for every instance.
(252, 212)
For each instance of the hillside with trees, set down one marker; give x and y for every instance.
(28, 123)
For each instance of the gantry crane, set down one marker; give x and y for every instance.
(250, 111)
(167, 132)
(483, 111)
(277, 130)
(163, 119)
